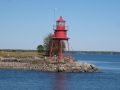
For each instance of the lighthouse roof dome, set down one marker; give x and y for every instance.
(61, 20)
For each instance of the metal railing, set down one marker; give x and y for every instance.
(66, 27)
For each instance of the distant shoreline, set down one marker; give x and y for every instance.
(94, 52)
(74, 52)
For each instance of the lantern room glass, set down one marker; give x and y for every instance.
(60, 23)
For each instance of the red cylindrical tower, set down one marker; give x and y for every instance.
(60, 33)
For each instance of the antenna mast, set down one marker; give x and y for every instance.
(54, 15)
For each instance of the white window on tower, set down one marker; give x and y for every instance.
(61, 23)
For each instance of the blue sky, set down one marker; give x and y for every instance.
(94, 25)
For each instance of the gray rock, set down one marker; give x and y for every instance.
(78, 64)
(92, 66)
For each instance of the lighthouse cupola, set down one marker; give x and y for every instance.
(60, 24)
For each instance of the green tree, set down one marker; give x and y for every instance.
(48, 43)
(40, 48)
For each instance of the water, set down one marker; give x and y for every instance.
(108, 79)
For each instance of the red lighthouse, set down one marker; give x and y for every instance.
(60, 33)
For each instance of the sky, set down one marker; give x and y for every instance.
(94, 25)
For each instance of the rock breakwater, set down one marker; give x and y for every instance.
(44, 65)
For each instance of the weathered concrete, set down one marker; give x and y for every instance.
(42, 64)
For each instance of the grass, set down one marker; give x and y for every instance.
(21, 54)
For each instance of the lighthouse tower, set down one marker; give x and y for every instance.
(60, 34)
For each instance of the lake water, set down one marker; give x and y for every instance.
(108, 79)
